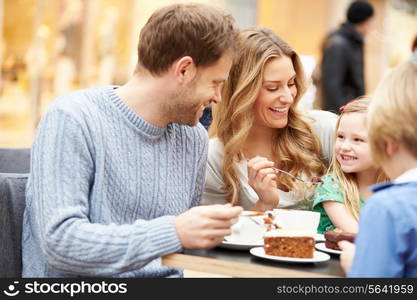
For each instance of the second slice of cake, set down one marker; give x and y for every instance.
(333, 237)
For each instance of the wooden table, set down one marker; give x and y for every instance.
(237, 263)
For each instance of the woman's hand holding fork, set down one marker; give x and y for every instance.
(262, 178)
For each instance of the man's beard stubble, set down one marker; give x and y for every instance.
(182, 108)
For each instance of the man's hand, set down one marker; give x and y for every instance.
(205, 226)
(346, 258)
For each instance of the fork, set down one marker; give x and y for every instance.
(295, 177)
(255, 221)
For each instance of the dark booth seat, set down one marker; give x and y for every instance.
(12, 206)
(15, 160)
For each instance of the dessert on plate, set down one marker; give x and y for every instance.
(333, 237)
(293, 234)
(289, 243)
(284, 232)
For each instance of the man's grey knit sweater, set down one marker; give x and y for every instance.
(104, 188)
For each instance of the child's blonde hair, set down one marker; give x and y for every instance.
(348, 181)
(393, 111)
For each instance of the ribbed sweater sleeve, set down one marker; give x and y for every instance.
(201, 173)
(63, 161)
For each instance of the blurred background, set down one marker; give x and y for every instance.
(50, 47)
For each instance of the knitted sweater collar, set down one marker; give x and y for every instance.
(132, 116)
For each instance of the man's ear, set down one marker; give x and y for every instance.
(184, 69)
(391, 147)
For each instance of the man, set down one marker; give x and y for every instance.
(115, 170)
(342, 69)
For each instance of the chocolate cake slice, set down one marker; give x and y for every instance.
(333, 237)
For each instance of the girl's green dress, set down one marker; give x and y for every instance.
(329, 190)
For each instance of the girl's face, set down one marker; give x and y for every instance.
(277, 93)
(351, 147)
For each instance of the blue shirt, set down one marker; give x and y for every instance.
(386, 245)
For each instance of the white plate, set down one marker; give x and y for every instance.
(240, 245)
(317, 256)
(322, 247)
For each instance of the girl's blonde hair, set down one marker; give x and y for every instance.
(393, 111)
(348, 181)
(297, 148)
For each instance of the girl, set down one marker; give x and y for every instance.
(345, 187)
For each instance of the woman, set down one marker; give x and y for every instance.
(257, 126)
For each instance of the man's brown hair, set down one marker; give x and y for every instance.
(200, 31)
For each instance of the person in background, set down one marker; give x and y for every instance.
(342, 64)
(386, 244)
(117, 173)
(345, 188)
(258, 126)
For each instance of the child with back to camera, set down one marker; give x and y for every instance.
(345, 188)
(386, 244)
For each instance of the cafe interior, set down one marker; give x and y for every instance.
(48, 48)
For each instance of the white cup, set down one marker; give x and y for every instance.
(246, 230)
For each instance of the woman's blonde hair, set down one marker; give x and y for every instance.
(393, 111)
(348, 181)
(297, 148)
